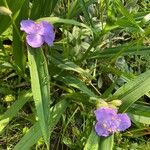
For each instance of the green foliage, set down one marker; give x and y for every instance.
(92, 142)
(132, 91)
(40, 88)
(48, 95)
(13, 110)
(35, 133)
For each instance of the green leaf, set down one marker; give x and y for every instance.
(13, 110)
(40, 83)
(57, 20)
(92, 142)
(125, 13)
(106, 143)
(37, 10)
(5, 21)
(84, 98)
(140, 109)
(140, 118)
(75, 8)
(68, 65)
(18, 44)
(133, 90)
(75, 82)
(121, 50)
(49, 6)
(34, 134)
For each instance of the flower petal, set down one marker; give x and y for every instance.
(49, 39)
(28, 26)
(125, 122)
(100, 130)
(35, 40)
(105, 113)
(46, 28)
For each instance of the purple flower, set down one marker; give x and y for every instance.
(38, 33)
(125, 122)
(108, 121)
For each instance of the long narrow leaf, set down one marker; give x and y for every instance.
(140, 109)
(63, 21)
(106, 143)
(18, 45)
(133, 90)
(92, 142)
(140, 118)
(40, 88)
(121, 50)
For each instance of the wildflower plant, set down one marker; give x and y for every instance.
(109, 122)
(38, 33)
(62, 59)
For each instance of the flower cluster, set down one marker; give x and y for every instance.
(38, 33)
(108, 121)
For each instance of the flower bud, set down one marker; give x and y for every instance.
(5, 11)
(100, 104)
(116, 102)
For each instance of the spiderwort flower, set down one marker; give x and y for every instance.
(38, 33)
(125, 122)
(109, 122)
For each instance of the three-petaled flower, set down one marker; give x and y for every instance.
(108, 121)
(38, 33)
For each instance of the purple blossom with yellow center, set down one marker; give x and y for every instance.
(38, 33)
(109, 122)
